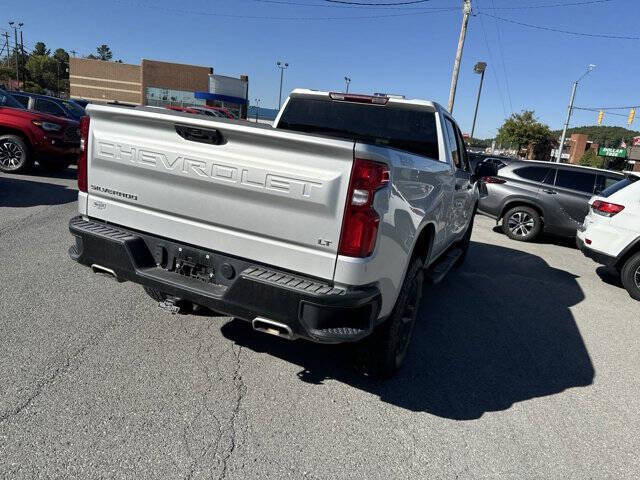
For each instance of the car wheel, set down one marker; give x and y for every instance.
(56, 165)
(522, 223)
(15, 156)
(630, 276)
(384, 351)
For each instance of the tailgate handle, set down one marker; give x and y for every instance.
(200, 135)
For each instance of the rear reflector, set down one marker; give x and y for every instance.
(348, 97)
(493, 180)
(605, 208)
(360, 222)
(82, 157)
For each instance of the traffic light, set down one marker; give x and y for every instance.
(632, 114)
(600, 115)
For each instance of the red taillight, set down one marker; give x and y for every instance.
(82, 158)
(493, 180)
(360, 223)
(605, 208)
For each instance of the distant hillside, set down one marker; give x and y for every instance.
(602, 135)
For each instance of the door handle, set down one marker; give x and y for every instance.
(549, 191)
(200, 135)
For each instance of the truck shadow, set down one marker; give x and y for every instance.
(17, 191)
(496, 332)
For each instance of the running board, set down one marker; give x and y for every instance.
(439, 270)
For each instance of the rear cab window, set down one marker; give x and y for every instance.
(411, 128)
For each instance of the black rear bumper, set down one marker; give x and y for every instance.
(594, 255)
(310, 308)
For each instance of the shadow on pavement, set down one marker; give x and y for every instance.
(19, 192)
(609, 275)
(496, 332)
(545, 239)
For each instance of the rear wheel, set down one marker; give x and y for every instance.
(630, 276)
(385, 350)
(522, 223)
(15, 156)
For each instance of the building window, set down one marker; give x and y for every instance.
(164, 97)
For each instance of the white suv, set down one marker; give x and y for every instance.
(610, 234)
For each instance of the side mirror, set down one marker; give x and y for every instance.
(485, 169)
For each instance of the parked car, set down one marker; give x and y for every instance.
(610, 234)
(310, 240)
(51, 105)
(212, 112)
(81, 101)
(530, 197)
(26, 136)
(226, 113)
(497, 160)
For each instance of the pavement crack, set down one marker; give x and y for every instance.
(240, 392)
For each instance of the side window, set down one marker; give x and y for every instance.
(576, 180)
(453, 143)
(47, 106)
(605, 181)
(23, 99)
(535, 174)
(464, 157)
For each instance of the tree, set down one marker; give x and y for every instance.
(42, 73)
(522, 130)
(41, 49)
(104, 52)
(605, 136)
(591, 159)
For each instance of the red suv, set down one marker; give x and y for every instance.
(26, 136)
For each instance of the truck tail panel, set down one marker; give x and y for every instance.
(257, 193)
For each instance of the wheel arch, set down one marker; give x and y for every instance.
(423, 246)
(628, 252)
(521, 202)
(4, 130)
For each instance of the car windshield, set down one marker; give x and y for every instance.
(74, 108)
(7, 100)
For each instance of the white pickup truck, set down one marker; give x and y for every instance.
(323, 227)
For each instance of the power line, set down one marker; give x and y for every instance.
(495, 75)
(553, 5)
(504, 67)
(398, 6)
(597, 109)
(346, 2)
(557, 30)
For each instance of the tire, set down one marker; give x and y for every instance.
(15, 155)
(384, 351)
(466, 241)
(54, 165)
(630, 276)
(522, 223)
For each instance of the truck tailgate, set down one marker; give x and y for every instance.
(262, 194)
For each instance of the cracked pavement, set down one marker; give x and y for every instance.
(524, 365)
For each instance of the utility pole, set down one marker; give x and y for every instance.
(257, 100)
(466, 11)
(347, 81)
(20, 25)
(282, 67)
(15, 35)
(590, 68)
(6, 45)
(480, 68)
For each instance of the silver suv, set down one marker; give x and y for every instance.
(530, 196)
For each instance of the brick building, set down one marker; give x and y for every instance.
(156, 83)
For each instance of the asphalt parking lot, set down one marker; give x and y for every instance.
(524, 365)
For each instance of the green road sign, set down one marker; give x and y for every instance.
(612, 152)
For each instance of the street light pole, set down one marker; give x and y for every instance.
(347, 80)
(466, 11)
(480, 68)
(590, 68)
(257, 100)
(282, 67)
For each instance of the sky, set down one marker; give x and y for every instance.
(406, 50)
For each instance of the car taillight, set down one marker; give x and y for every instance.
(82, 158)
(493, 180)
(360, 223)
(605, 208)
(349, 97)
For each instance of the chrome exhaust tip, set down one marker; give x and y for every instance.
(100, 270)
(272, 328)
